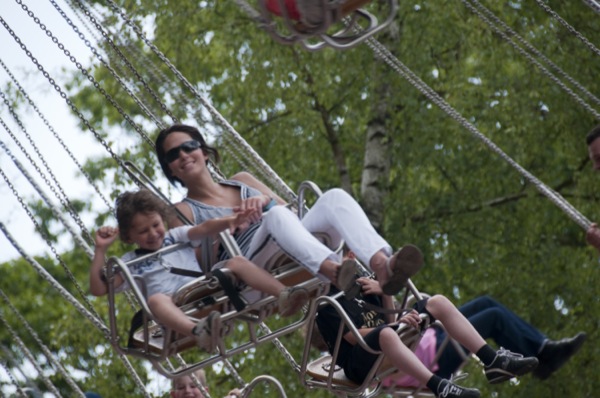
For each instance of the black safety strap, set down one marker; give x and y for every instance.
(185, 272)
(230, 290)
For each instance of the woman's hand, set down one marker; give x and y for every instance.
(241, 220)
(255, 203)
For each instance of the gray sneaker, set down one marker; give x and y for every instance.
(207, 332)
(291, 300)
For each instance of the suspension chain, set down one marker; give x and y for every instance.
(45, 349)
(542, 68)
(511, 33)
(55, 134)
(571, 29)
(407, 74)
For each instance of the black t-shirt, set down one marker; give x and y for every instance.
(328, 321)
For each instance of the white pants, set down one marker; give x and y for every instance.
(335, 213)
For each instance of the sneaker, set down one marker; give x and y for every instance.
(448, 389)
(291, 300)
(556, 353)
(507, 365)
(207, 332)
(401, 266)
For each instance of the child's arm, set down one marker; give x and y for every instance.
(371, 286)
(216, 225)
(105, 236)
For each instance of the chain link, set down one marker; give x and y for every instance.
(511, 33)
(275, 179)
(44, 348)
(384, 54)
(62, 197)
(571, 29)
(11, 376)
(80, 67)
(68, 297)
(55, 134)
(543, 69)
(29, 356)
(593, 4)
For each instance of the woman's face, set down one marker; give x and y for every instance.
(184, 158)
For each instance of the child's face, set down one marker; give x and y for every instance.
(184, 387)
(147, 231)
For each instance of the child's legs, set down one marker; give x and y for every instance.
(281, 229)
(169, 315)
(385, 339)
(455, 323)
(337, 214)
(254, 276)
(450, 359)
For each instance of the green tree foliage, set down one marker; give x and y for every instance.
(484, 228)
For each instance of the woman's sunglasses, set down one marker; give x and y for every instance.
(187, 147)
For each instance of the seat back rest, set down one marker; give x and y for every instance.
(323, 372)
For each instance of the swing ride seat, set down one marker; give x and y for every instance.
(198, 298)
(412, 391)
(152, 341)
(324, 373)
(351, 22)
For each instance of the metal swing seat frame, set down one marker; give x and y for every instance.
(324, 373)
(344, 25)
(157, 344)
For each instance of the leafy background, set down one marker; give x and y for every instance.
(344, 118)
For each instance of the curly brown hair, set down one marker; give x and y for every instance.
(130, 203)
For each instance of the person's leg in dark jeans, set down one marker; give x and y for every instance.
(492, 320)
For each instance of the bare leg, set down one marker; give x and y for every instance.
(455, 323)
(402, 357)
(169, 315)
(254, 276)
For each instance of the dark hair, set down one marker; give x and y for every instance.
(593, 134)
(128, 204)
(194, 133)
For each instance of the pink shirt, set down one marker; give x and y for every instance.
(426, 353)
(273, 6)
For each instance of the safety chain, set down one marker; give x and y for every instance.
(64, 200)
(45, 237)
(69, 297)
(214, 113)
(571, 29)
(12, 378)
(44, 348)
(406, 73)
(150, 114)
(55, 134)
(286, 354)
(543, 69)
(29, 356)
(593, 4)
(48, 202)
(232, 370)
(79, 66)
(512, 33)
(63, 95)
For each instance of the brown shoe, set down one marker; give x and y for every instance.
(291, 300)
(401, 266)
